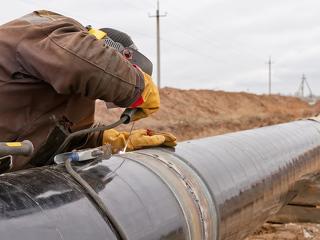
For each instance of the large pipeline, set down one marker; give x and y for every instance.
(221, 187)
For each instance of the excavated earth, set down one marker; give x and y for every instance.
(191, 114)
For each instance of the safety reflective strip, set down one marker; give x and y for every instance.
(97, 33)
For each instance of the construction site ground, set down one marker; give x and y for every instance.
(191, 114)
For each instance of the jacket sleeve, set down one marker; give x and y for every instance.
(73, 62)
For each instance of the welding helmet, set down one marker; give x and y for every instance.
(124, 44)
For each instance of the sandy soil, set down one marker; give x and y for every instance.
(199, 113)
(193, 114)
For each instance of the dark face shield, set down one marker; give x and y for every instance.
(137, 58)
(124, 44)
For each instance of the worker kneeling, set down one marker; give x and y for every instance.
(52, 69)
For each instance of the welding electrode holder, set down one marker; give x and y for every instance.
(128, 113)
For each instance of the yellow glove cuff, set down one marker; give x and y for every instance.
(151, 99)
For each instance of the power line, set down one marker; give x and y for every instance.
(132, 4)
(148, 2)
(190, 50)
(202, 34)
(140, 7)
(158, 16)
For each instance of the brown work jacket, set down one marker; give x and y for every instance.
(51, 66)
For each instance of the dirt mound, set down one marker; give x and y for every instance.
(200, 113)
(317, 107)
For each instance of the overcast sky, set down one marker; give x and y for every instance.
(214, 44)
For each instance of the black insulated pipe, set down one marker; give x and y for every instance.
(221, 187)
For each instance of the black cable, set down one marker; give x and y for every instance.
(101, 207)
(125, 118)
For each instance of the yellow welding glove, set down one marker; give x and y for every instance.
(142, 138)
(149, 102)
(169, 141)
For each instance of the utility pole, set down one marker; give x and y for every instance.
(301, 87)
(157, 16)
(302, 84)
(269, 65)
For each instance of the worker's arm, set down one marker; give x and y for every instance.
(64, 55)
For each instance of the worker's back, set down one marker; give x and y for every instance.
(51, 66)
(28, 101)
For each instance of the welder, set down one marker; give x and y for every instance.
(52, 69)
